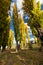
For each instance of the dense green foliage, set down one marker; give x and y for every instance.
(33, 10)
(16, 22)
(11, 38)
(20, 28)
(4, 22)
(23, 32)
(16, 25)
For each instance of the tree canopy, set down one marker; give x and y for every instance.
(4, 21)
(16, 25)
(33, 10)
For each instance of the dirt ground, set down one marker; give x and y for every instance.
(23, 57)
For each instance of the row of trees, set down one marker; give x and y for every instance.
(20, 28)
(33, 10)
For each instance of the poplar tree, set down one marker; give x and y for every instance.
(16, 25)
(4, 22)
(23, 32)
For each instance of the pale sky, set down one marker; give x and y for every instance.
(41, 1)
(19, 4)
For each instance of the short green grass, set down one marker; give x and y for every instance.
(23, 57)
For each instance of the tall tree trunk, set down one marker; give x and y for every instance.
(17, 46)
(40, 35)
(3, 47)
